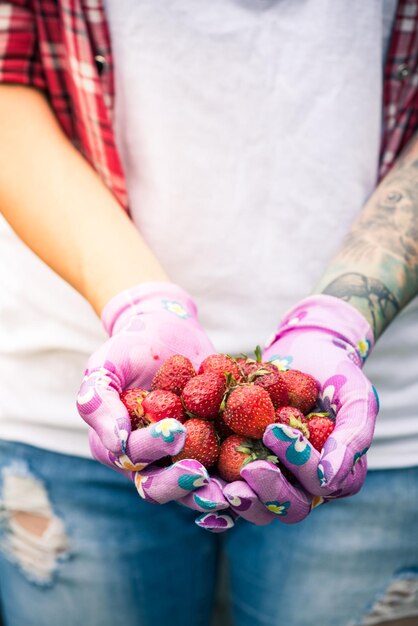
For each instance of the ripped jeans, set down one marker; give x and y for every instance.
(77, 545)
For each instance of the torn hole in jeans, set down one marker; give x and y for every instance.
(397, 605)
(33, 536)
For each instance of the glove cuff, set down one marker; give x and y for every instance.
(333, 316)
(146, 297)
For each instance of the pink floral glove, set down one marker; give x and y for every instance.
(329, 339)
(146, 324)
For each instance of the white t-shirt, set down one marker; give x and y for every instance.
(249, 133)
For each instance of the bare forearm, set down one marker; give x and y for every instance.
(59, 207)
(376, 270)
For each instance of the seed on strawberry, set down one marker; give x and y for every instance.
(173, 374)
(236, 451)
(320, 428)
(248, 411)
(302, 389)
(275, 386)
(203, 394)
(220, 364)
(292, 417)
(201, 443)
(133, 399)
(160, 404)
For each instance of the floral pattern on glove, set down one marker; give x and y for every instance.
(278, 508)
(299, 452)
(167, 429)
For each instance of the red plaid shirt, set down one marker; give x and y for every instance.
(63, 48)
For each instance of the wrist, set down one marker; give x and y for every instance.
(146, 297)
(333, 316)
(367, 294)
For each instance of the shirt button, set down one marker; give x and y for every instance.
(402, 71)
(100, 63)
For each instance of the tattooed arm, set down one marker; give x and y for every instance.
(376, 269)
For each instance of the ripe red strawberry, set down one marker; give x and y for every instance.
(302, 389)
(236, 451)
(248, 411)
(275, 386)
(160, 404)
(220, 364)
(133, 399)
(203, 394)
(201, 443)
(320, 428)
(173, 374)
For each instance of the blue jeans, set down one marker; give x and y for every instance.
(111, 558)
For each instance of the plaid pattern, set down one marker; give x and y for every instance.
(59, 46)
(400, 90)
(56, 46)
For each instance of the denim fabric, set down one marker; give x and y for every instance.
(136, 564)
(130, 563)
(330, 569)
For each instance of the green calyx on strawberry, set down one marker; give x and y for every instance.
(201, 444)
(236, 452)
(292, 417)
(252, 368)
(315, 426)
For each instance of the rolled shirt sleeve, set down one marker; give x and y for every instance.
(20, 60)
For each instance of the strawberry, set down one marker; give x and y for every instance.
(248, 411)
(220, 364)
(132, 400)
(285, 414)
(275, 386)
(201, 443)
(320, 428)
(302, 389)
(249, 368)
(236, 451)
(173, 374)
(292, 417)
(203, 394)
(160, 404)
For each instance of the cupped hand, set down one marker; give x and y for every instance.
(329, 339)
(146, 325)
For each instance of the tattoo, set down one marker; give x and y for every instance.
(380, 302)
(377, 267)
(390, 224)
